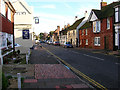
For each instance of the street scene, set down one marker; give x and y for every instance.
(55, 44)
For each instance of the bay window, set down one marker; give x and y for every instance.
(96, 26)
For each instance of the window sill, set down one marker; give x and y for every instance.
(97, 45)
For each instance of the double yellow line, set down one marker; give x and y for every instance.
(78, 72)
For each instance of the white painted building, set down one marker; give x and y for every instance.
(23, 25)
(117, 26)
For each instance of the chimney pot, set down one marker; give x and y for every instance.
(103, 4)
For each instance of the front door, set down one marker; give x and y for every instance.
(106, 42)
(71, 41)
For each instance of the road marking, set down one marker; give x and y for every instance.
(88, 55)
(78, 72)
(93, 57)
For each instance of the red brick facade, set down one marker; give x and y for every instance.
(7, 25)
(106, 36)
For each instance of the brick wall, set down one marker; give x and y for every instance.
(7, 26)
(104, 33)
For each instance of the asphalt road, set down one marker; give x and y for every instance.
(104, 69)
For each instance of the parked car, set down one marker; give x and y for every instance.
(56, 43)
(50, 42)
(67, 45)
(42, 42)
(17, 45)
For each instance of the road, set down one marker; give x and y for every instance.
(99, 67)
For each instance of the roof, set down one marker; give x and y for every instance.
(74, 26)
(85, 26)
(106, 11)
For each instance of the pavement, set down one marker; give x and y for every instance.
(50, 73)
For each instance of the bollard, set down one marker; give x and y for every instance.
(19, 81)
(26, 59)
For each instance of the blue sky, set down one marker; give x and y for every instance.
(52, 13)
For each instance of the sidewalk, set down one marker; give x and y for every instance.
(51, 75)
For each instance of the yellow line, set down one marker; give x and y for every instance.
(78, 72)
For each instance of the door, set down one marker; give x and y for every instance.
(106, 42)
(71, 41)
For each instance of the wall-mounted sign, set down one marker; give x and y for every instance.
(36, 20)
(20, 13)
(26, 34)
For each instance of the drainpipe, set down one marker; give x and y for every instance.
(13, 37)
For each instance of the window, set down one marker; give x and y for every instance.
(117, 14)
(86, 42)
(97, 41)
(73, 33)
(86, 32)
(108, 23)
(82, 32)
(80, 42)
(4, 43)
(96, 26)
(3, 7)
(9, 14)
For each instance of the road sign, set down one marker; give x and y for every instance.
(26, 34)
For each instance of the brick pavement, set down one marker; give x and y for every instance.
(44, 71)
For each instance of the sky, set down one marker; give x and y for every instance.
(53, 13)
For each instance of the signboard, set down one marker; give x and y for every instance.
(36, 20)
(26, 34)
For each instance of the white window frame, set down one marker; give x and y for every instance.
(3, 7)
(86, 32)
(80, 42)
(96, 26)
(108, 23)
(86, 42)
(97, 40)
(116, 14)
(9, 14)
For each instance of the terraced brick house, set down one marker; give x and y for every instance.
(117, 27)
(72, 32)
(6, 28)
(55, 36)
(63, 36)
(103, 33)
(85, 36)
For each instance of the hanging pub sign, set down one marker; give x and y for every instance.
(36, 20)
(26, 34)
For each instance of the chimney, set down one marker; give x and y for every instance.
(58, 27)
(76, 18)
(68, 25)
(103, 4)
(86, 14)
(65, 26)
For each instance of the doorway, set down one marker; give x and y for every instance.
(106, 42)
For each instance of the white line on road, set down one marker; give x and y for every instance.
(88, 55)
(93, 57)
